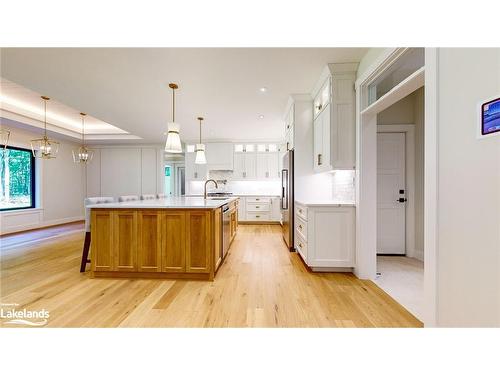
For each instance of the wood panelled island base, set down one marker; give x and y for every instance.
(156, 243)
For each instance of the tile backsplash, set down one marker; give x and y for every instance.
(343, 186)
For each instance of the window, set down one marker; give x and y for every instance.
(17, 179)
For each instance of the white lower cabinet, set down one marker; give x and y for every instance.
(259, 209)
(325, 235)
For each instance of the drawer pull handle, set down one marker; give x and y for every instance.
(300, 210)
(257, 206)
(257, 216)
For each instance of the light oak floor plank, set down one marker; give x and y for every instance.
(260, 284)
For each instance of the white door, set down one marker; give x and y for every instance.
(391, 189)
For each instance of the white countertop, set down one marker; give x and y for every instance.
(241, 195)
(313, 203)
(170, 202)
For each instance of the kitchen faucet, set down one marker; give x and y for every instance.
(205, 191)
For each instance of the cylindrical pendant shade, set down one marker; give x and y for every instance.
(200, 154)
(173, 144)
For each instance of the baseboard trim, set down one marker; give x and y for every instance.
(418, 254)
(44, 224)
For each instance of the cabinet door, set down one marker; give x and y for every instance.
(242, 210)
(194, 171)
(125, 240)
(250, 165)
(239, 165)
(262, 168)
(326, 152)
(198, 242)
(273, 165)
(173, 241)
(318, 141)
(332, 240)
(149, 241)
(101, 240)
(275, 209)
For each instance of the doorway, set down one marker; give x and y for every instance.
(394, 79)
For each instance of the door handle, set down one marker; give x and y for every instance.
(319, 159)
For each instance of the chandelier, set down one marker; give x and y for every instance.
(83, 154)
(44, 148)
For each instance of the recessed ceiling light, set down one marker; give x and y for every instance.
(263, 89)
(261, 116)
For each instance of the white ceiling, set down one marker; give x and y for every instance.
(19, 100)
(128, 87)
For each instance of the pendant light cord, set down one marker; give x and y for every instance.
(45, 119)
(83, 129)
(173, 105)
(200, 132)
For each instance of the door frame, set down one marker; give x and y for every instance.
(366, 216)
(409, 131)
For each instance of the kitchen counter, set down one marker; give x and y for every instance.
(313, 203)
(170, 202)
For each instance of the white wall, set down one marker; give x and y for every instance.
(60, 189)
(468, 254)
(125, 170)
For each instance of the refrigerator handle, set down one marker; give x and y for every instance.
(284, 195)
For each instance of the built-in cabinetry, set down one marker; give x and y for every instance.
(195, 172)
(253, 161)
(334, 127)
(256, 162)
(259, 209)
(325, 235)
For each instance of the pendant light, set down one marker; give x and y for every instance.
(83, 154)
(44, 148)
(173, 143)
(200, 149)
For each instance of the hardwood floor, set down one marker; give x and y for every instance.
(260, 284)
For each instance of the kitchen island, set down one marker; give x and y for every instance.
(178, 237)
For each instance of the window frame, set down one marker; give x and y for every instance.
(33, 182)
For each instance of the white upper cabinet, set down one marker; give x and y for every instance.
(334, 118)
(267, 165)
(219, 156)
(260, 165)
(244, 165)
(196, 172)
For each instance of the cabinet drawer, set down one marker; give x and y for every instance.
(258, 200)
(257, 216)
(301, 246)
(301, 226)
(258, 207)
(301, 211)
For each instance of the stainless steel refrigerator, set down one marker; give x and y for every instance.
(287, 209)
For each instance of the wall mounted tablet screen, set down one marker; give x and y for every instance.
(490, 117)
